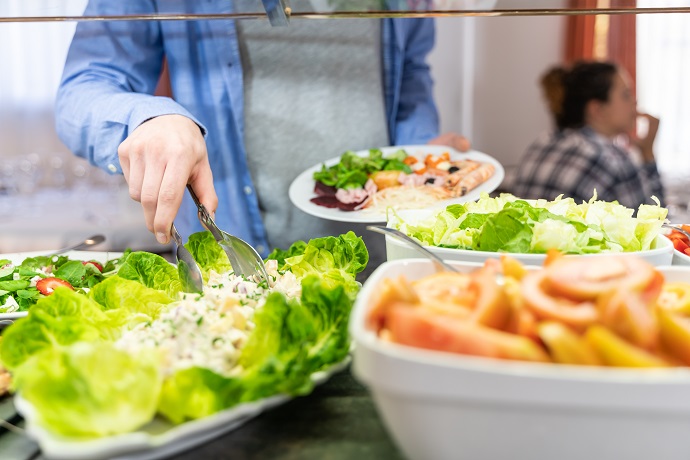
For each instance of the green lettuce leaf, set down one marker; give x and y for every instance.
(195, 393)
(141, 303)
(152, 271)
(337, 259)
(90, 389)
(63, 318)
(208, 253)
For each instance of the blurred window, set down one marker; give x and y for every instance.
(663, 73)
(33, 53)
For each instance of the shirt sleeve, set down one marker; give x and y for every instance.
(107, 86)
(417, 117)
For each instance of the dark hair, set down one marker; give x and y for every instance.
(569, 91)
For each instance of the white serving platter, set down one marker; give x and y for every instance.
(302, 188)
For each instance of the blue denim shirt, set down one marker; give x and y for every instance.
(113, 67)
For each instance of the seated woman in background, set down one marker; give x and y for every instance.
(595, 111)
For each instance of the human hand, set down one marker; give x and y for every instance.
(646, 143)
(159, 158)
(454, 140)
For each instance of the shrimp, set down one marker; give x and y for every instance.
(474, 178)
(465, 167)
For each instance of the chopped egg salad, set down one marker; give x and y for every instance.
(209, 330)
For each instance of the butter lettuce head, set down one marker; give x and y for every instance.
(90, 389)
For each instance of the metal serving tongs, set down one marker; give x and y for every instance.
(243, 257)
(188, 269)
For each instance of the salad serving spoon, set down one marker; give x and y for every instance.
(678, 229)
(397, 234)
(245, 260)
(439, 263)
(90, 241)
(188, 269)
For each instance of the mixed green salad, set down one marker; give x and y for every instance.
(353, 171)
(134, 346)
(510, 224)
(22, 285)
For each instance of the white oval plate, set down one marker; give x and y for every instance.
(302, 188)
(159, 438)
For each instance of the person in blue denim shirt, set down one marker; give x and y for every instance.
(253, 106)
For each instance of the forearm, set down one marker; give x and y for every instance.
(93, 118)
(417, 117)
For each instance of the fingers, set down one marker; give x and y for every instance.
(454, 140)
(202, 184)
(158, 160)
(167, 199)
(652, 121)
(133, 166)
(652, 126)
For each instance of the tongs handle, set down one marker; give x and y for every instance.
(205, 216)
(208, 222)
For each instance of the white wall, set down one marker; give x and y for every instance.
(486, 72)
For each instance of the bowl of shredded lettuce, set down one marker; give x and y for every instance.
(528, 229)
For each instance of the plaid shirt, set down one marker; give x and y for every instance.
(576, 162)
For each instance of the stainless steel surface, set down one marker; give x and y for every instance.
(678, 229)
(440, 264)
(289, 15)
(90, 241)
(243, 257)
(190, 273)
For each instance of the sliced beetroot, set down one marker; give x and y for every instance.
(348, 206)
(326, 201)
(322, 189)
(332, 202)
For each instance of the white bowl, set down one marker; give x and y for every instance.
(680, 259)
(661, 254)
(444, 406)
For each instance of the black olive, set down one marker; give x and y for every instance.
(452, 169)
(430, 180)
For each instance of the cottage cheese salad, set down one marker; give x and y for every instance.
(135, 346)
(210, 330)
